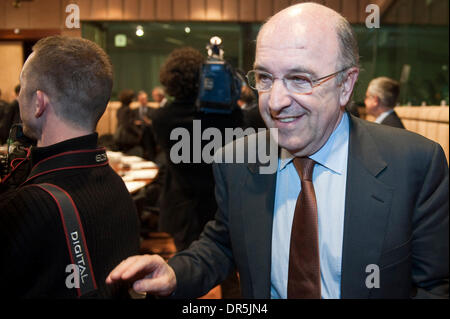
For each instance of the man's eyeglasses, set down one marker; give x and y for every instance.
(295, 83)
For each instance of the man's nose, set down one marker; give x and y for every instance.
(279, 96)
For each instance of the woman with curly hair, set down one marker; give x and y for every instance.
(187, 200)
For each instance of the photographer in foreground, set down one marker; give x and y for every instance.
(65, 87)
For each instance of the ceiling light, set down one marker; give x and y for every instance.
(139, 31)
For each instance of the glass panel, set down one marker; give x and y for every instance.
(416, 54)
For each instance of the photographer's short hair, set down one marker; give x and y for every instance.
(386, 89)
(76, 74)
(180, 73)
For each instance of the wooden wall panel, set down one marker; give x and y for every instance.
(131, 9)
(334, 4)
(147, 10)
(17, 17)
(75, 33)
(350, 10)
(439, 12)
(49, 14)
(181, 10)
(198, 9)
(85, 8)
(115, 9)
(214, 10)
(247, 10)
(264, 9)
(10, 66)
(230, 10)
(279, 5)
(99, 9)
(405, 12)
(164, 10)
(45, 14)
(3, 14)
(362, 14)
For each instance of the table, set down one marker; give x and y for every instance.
(135, 171)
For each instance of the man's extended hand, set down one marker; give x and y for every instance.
(150, 273)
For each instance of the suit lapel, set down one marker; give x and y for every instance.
(257, 202)
(367, 208)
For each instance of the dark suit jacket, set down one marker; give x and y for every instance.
(396, 216)
(148, 112)
(393, 120)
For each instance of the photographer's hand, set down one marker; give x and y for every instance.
(150, 274)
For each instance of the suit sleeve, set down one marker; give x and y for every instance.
(430, 231)
(208, 261)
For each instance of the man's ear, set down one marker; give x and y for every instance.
(42, 102)
(377, 100)
(347, 85)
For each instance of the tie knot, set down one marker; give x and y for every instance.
(304, 167)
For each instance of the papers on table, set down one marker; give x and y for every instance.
(135, 171)
(131, 159)
(140, 174)
(143, 165)
(134, 185)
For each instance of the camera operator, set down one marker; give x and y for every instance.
(65, 86)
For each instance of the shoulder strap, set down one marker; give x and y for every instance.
(75, 238)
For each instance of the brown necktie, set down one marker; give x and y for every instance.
(304, 263)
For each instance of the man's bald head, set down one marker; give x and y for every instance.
(313, 18)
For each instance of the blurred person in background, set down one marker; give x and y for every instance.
(10, 116)
(381, 98)
(4, 108)
(128, 135)
(248, 102)
(159, 96)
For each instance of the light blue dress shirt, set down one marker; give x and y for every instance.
(329, 180)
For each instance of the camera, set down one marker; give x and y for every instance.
(17, 150)
(220, 85)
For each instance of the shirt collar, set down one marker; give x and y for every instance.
(383, 116)
(331, 155)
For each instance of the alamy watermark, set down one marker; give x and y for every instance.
(259, 148)
(373, 279)
(373, 19)
(73, 19)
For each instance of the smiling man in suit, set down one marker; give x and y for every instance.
(355, 209)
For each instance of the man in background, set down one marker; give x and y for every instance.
(249, 105)
(159, 96)
(10, 116)
(144, 111)
(4, 108)
(381, 98)
(143, 119)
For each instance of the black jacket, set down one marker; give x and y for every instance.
(393, 120)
